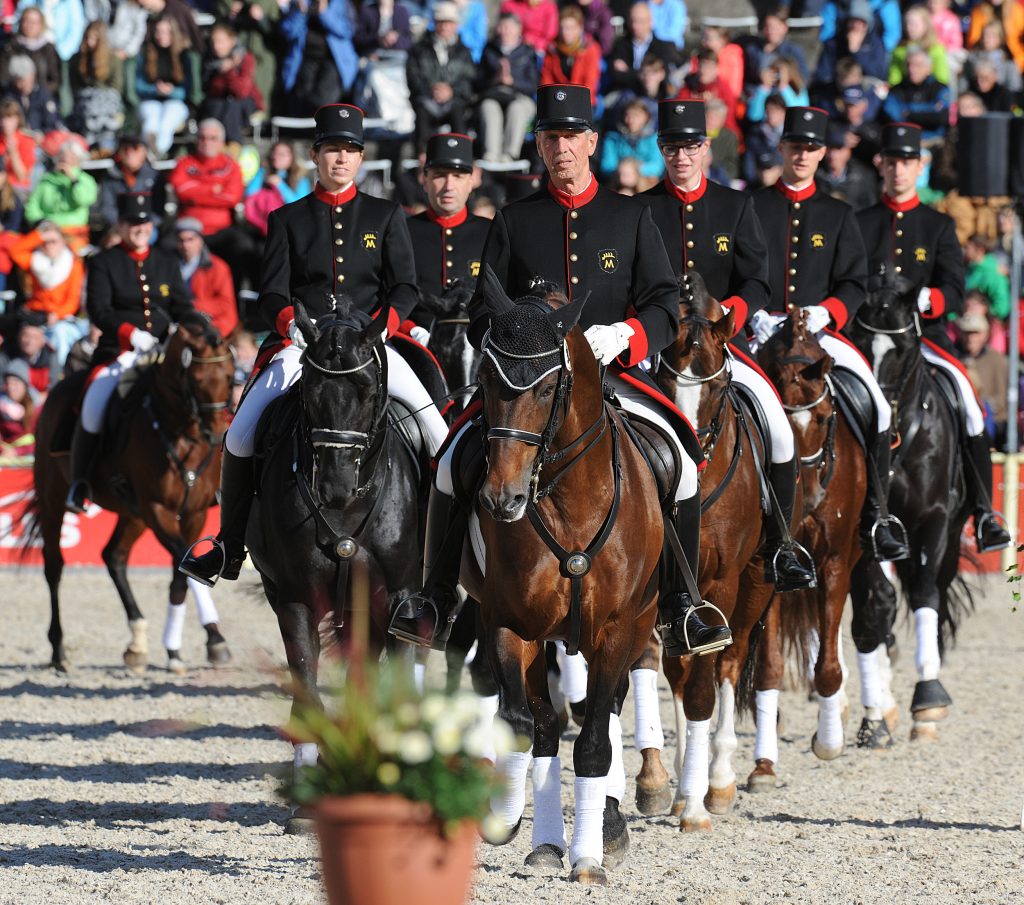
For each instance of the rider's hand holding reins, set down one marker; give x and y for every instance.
(142, 341)
(421, 335)
(924, 301)
(818, 318)
(607, 341)
(295, 335)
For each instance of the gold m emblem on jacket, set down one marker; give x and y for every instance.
(722, 243)
(818, 240)
(921, 255)
(474, 269)
(609, 259)
(370, 241)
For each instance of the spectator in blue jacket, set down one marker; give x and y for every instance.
(670, 20)
(920, 98)
(383, 25)
(885, 14)
(772, 44)
(858, 39)
(320, 63)
(634, 137)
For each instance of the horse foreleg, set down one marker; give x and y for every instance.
(828, 741)
(873, 613)
(768, 680)
(53, 568)
(115, 554)
(653, 794)
(699, 704)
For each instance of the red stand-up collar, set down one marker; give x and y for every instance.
(899, 206)
(138, 256)
(684, 196)
(573, 201)
(448, 222)
(792, 195)
(331, 198)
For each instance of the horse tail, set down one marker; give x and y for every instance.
(956, 602)
(29, 522)
(798, 619)
(746, 689)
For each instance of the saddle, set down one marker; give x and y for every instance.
(660, 454)
(946, 385)
(856, 404)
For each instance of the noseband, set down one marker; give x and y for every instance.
(914, 325)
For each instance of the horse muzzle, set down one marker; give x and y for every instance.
(504, 505)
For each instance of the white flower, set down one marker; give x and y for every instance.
(433, 706)
(447, 736)
(494, 829)
(477, 741)
(407, 714)
(414, 747)
(502, 737)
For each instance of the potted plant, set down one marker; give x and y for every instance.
(400, 788)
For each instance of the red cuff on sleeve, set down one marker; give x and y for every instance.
(124, 336)
(837, 309)
(938, 303)
(284, 317)
(393, 323)
(637, 351)
(739, 307)
(406, 327)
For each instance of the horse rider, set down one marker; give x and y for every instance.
(714, 231)
(134, 293)
(447, 240)
(816, 261)
(920, 244)
(575, 234)
(335, 240)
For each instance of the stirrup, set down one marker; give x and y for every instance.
(202, 579)
(900, 535)
(711, 647)
(442, 629)
(69, 502)
(772, 572)
(979, 524)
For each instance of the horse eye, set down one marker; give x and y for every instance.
(547, 391)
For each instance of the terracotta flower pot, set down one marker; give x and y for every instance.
(387, 850)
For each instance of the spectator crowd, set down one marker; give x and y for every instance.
(98, 97)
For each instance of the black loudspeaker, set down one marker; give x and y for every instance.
(1017, 157)
(982, 155)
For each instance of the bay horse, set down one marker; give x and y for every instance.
(928, 495)
(833, 477)
(694, 372)
(163, 475)
(337, 483)
(570, 551)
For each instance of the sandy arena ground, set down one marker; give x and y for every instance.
(157, 789)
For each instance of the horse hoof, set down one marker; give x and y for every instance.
(588, 872)
(176, 666)
(763, 778)
(678, 806)
(720, 801)
(218, 654)
(61, 666)
(652, 802)
(545, 856)
(924, 732)
(931, 701)
(931, 714)
(823, 753)
(135, 661)
(874, 735)
(892, 718)
(615, 834)
(503, 839)
(701, 824)
(298, 826)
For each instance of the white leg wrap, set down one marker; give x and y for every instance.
(649, 733)
(724, 744)
(848, 357)
(677, 761)
(488, 711)
(617, 770)
(574, 674)
(509, 806)
(140, 640)
(548, 820)
(926, 627)
(419, 675)
(887, 702)
(305, 755)
(870, 684)
(174, 626)
(766, 743)
(695, 764)
(830, 721)
(205, 606)
(405, 386)
(588, 827)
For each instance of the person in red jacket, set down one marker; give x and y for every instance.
(573, 59)
(208, 185)
(228, 82)
(705, 84)
(207, 277)
(539, 19)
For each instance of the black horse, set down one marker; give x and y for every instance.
(927, 494)
(449, 341)
(337, 481)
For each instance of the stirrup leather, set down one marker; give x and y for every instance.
(899, 533)
(702, 649)
(802, 555)
(979, 526)
(202, 579)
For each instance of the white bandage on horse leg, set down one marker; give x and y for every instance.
(588, 827)
(617, 770)
(830, 721)
(204, 602)
(694, 783)
(574, 674)
(174, 626)
(419, 675)
(766, 743)
(887, 701)
(548, 820)
(649, 733)
(139, 643)
(870, 684)
(926, 628)
(488, 710)
(509, 806)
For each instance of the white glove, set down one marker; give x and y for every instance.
(421, 335)
(765, 325)
(924, 301)
(818, 318)
(141, 341)
(295, 335)
(608, 340)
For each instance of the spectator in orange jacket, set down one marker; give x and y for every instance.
(573, 59)
(1011, 13)
(207, 277)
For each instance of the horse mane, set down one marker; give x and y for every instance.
(694, 295)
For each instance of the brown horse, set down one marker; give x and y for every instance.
(694, 372)
(582, 566)
(163, 476)
(834, 481)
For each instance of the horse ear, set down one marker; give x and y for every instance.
(493, 293)
(565, 318)
(304, 323)
(725, 327)
(818, 370)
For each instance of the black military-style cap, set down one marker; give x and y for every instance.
(564, 107)
(135, 207)
(338, 122)
(679, 120)
(806, 125)
(451, 150)
(901, 140)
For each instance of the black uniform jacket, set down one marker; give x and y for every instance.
(815, 251)
(920, 244)
(598, 242)
(347, 243)
(447, 249)
(714, 230)
(128, 291)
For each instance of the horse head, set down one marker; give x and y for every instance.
(449, 338)
(694, 368)
(344, 391)
(533, 352)
(198, 369)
